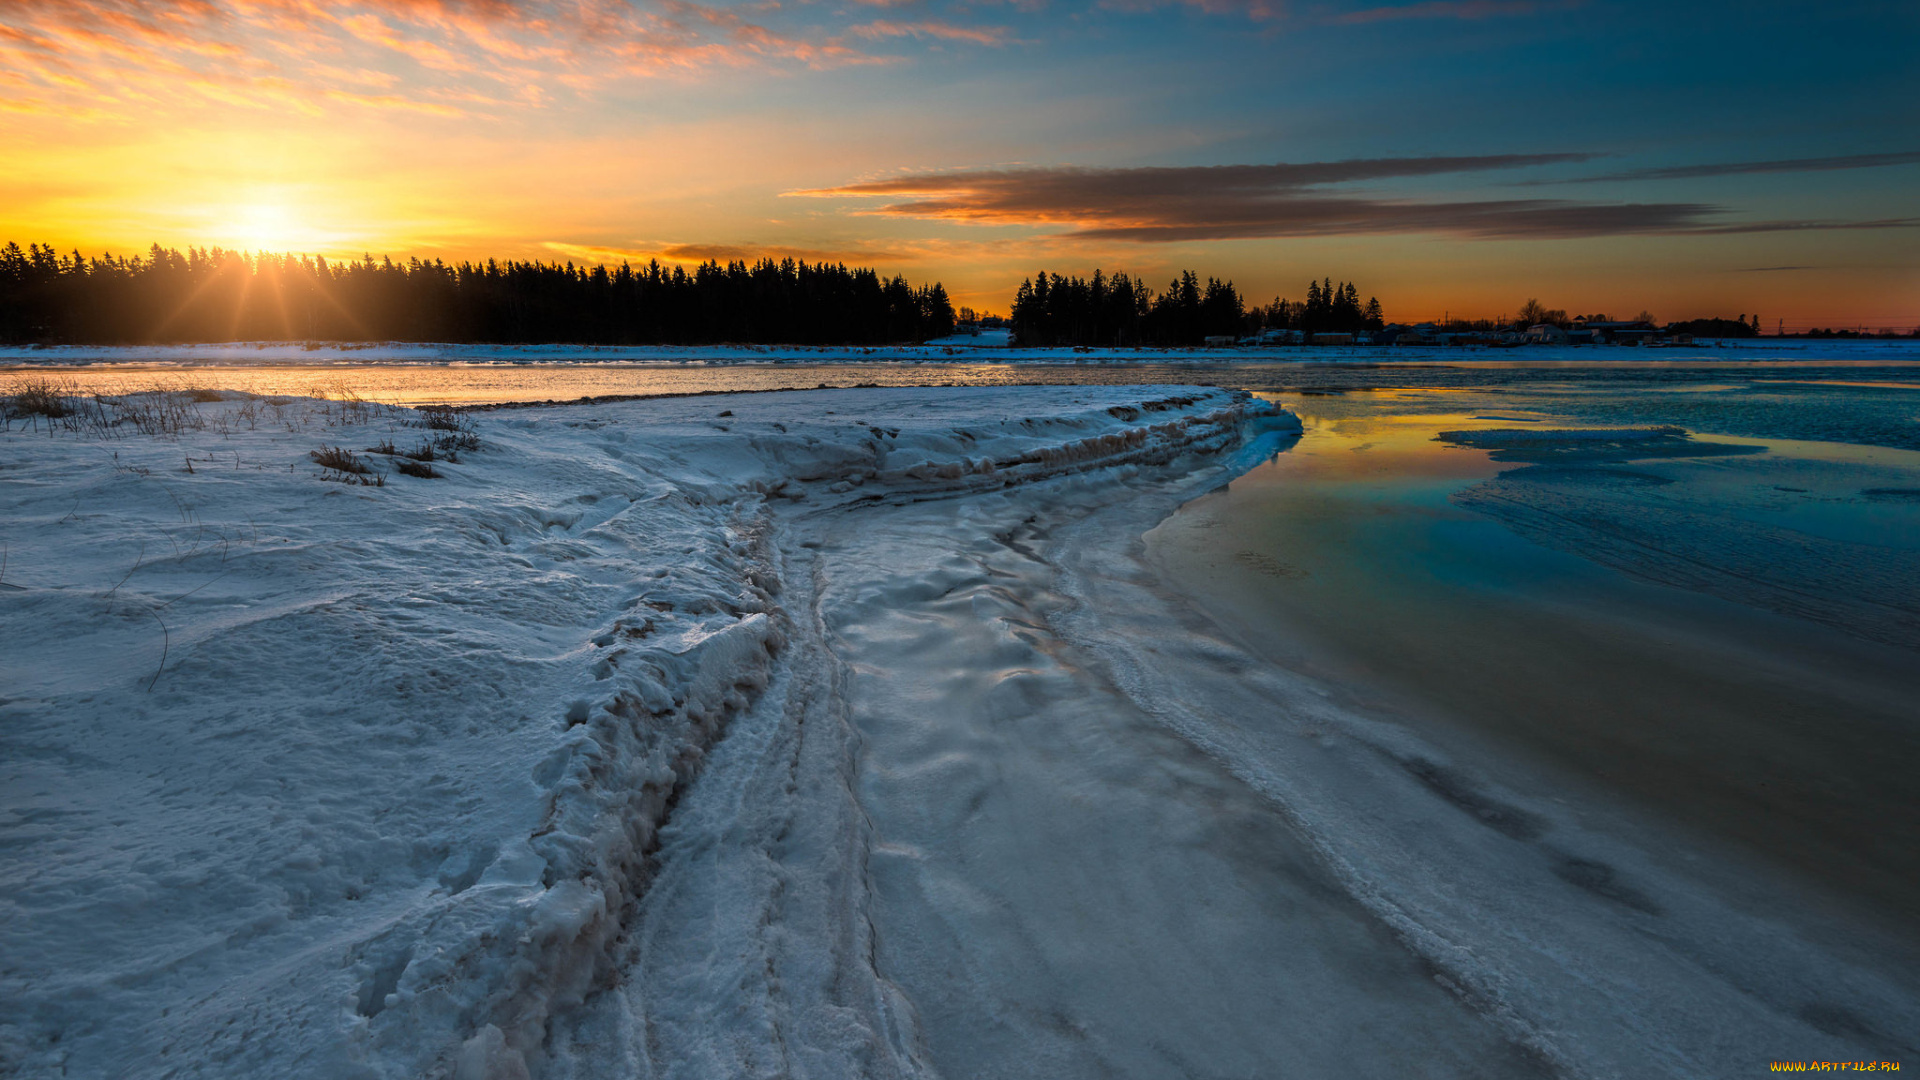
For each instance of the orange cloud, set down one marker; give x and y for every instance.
(439, 56)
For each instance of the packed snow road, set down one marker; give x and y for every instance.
(818, 734)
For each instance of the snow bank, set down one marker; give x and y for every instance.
(308, 776)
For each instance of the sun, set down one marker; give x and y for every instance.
(265, 227)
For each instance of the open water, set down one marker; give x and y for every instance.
(1699, 596)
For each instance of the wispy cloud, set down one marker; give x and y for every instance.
(935, 29)
(747, 253)
(1252, 10)
(754, 252)
(1738, 168)
(1815, 225)
(1454, 9)
(1005, 189)
(439, 55)
(1163, 205)
(1275, 10)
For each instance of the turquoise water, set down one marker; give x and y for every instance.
(1715, 627)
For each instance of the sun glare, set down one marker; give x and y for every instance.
(265, 227)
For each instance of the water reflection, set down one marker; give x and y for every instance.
(1728, 637)
(475, 382)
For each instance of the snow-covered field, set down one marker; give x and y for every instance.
(823, 734)
(327, 778)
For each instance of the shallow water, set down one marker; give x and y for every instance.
(1718, 631)
(1705, 382)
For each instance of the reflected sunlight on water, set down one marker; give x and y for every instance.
(1717, 625)
(476, 375)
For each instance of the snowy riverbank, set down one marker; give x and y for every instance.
(814, 734)
(323, 777)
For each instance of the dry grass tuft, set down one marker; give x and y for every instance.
(339, 460)
(341, 466)
(450, 432)
(42, 397)
(169, 410)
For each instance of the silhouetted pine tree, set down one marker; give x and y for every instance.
(215, 295)
(1107, 311)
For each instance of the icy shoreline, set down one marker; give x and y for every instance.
(375, 796)
(807, 734)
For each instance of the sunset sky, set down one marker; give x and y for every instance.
(1448, 155)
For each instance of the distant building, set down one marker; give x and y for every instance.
(1618, 333)
(1219, 341)
(1326, 338)
(1546, 334)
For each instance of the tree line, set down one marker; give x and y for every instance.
(1123, 311)
(1741, 327)
(1328, 308)
(212, 294)
(1534, 313)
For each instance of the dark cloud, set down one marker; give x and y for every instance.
(1159, 205)
(1228, 202)
(1513, 219)
(1809, 226)
(1739, 168)
(1104, 187)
